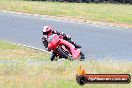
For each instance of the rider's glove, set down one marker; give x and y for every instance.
(54, 32)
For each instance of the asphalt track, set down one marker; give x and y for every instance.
(99, 41)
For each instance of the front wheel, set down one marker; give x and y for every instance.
(63, 54)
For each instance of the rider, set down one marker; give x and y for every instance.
(47, 31)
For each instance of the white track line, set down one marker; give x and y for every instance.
(27, 46)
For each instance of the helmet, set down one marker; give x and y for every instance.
(47, 30)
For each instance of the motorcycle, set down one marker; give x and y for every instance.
(64, 49)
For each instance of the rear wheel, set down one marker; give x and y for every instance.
(82, 57)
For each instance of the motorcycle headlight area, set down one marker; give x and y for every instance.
(50, 38)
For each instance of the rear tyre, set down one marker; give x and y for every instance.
(82, 57)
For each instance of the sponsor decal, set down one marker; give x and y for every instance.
(83, 78)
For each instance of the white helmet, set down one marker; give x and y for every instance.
(46, 30)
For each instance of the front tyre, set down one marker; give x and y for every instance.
(64, 54)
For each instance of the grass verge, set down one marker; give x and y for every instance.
(119, 13)
(22, 67)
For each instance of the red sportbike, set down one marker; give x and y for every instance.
(64, 49)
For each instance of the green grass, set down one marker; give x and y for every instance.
(22, 67)
(119, 13)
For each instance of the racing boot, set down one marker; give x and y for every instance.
(77, 46)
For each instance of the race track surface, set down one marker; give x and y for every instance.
(99, 41)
